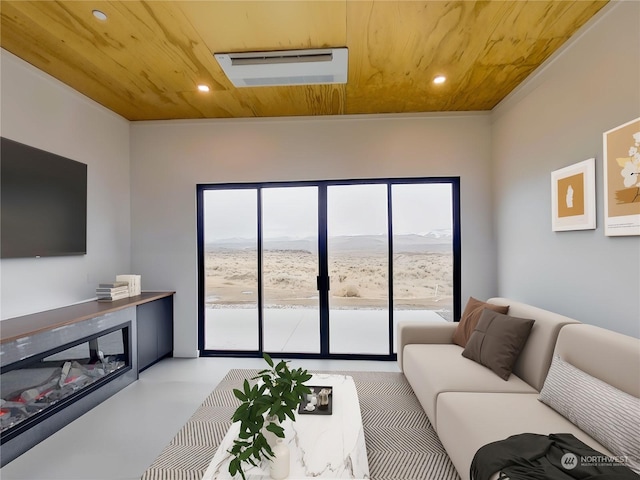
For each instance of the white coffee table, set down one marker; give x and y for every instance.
(321, 446)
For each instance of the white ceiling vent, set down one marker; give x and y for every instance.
(289, 67)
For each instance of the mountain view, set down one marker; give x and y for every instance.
(358, 267)
(435, 241)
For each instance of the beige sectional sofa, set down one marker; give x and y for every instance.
(470, 406)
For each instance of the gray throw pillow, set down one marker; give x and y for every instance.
(497, 341)
(609, 415)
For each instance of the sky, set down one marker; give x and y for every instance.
(351, 210)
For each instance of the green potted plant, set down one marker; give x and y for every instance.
(265, 405)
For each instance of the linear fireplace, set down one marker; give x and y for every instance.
(36, 387)
(58, 364)
(54, 368)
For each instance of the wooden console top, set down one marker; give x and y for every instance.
(18, 327)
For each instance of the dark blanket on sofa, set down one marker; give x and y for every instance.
(531, 456)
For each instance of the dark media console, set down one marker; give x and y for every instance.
(57, 365)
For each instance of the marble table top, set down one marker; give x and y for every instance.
(321, 446)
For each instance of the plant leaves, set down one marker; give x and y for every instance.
(247, 388)
(233, 467)
(240, 413)
(277, 393)
(244, 456)
(239, 395)
(276, 430)
(268, 359)
(262, 410)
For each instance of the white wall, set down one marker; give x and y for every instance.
(168, 159)
(40, 111)
(555, 120)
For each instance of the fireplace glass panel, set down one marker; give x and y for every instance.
(30, 387)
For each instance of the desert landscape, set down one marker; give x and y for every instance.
(358, 267)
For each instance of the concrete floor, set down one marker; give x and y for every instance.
(296, 330)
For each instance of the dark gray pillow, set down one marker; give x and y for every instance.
(497, 341)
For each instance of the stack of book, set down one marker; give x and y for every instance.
(108, 292)
(133, 281)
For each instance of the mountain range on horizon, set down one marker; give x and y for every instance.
(434, 241)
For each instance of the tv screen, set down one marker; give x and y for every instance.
(43, 203)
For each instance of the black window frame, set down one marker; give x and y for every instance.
(322, 234)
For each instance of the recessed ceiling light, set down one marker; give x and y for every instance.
(439, 79)
(203, 88)
(100, 15)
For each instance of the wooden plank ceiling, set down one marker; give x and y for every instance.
(145, 61)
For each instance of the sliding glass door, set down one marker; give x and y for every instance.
(325, 269)
(358, 254)
(423, 252)
(289, 269)
(229, 284)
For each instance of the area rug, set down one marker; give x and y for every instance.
(401, 443)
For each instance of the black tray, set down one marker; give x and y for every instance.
(317, 411)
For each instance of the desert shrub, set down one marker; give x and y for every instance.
(349, 291)
(241, 276)
(287, 280)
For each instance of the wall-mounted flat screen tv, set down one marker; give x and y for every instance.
(43, 203)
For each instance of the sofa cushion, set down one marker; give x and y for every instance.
(610, 356)
(467, 421)
(423, 333)
(609, 415)
(433, 369)
(497, 341)
(470, 318)
(534, 360)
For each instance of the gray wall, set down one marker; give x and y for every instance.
(555, 120)
(168, 159)
(40, 111)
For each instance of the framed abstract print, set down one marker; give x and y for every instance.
(621, 169)
(573, 197)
